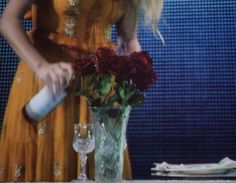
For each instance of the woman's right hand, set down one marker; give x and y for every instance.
(56, 76)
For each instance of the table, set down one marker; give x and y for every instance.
(166, 181)
(181, 181)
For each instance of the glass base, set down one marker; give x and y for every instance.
(82, 181)
(82, 176)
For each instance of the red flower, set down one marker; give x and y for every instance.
(122, 67)
(144, 74)
(104, 59)
(84, 66)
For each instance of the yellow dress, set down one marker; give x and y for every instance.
(44, 152)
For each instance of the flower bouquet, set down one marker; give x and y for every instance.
(109, 80)
(112, 84)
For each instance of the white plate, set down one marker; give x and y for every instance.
(200, 170)
(194, 176)
(224, 166)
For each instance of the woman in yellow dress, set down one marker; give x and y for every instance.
(63, 30)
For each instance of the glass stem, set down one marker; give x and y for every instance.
(83, 159)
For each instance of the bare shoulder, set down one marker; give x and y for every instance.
(17, 8)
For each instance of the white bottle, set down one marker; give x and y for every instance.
(42, 104)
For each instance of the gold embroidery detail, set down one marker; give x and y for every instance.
(72, 11)
(18, 170)
(56, 169)
(42, 127)
(19, 77)
(72, 8)
(70, 26)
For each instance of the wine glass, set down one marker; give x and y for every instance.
(83, 143)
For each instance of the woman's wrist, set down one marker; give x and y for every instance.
(37, 65)
(133, 46)
(126, 47)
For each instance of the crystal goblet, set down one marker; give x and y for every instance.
(83, 143)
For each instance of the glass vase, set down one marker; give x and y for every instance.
(110, 139)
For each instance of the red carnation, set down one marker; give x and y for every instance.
(144, 74)
(104, 59)
(122, 67)
(84, 66)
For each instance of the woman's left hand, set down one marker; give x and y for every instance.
(127, 47)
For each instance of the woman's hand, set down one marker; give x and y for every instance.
(57, 75)
(127, 47)
(127, 30)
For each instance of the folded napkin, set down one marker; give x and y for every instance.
(225, 167)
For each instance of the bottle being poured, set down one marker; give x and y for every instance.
(42, 104)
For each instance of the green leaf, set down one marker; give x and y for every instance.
(102, 85)
(129, 93)
(106, 89)
(136, 100)
(80, 93)
(112, 99)
(85, 94)
(121, 92)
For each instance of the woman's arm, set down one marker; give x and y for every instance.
(127, 29)
(56, 76)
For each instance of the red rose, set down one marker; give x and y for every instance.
(144, 74)
(122, 67)
(84, 66)
(143, 58)
(104, 59)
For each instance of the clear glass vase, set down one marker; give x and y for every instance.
(110, 136)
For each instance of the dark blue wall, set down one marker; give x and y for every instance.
(189, 115)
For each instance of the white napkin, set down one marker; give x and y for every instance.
(225, 166)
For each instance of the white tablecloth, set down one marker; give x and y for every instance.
(169, 181)
(181, 181)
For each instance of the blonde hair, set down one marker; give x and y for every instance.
(134, 11)
(152, 13)
(152, 9)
